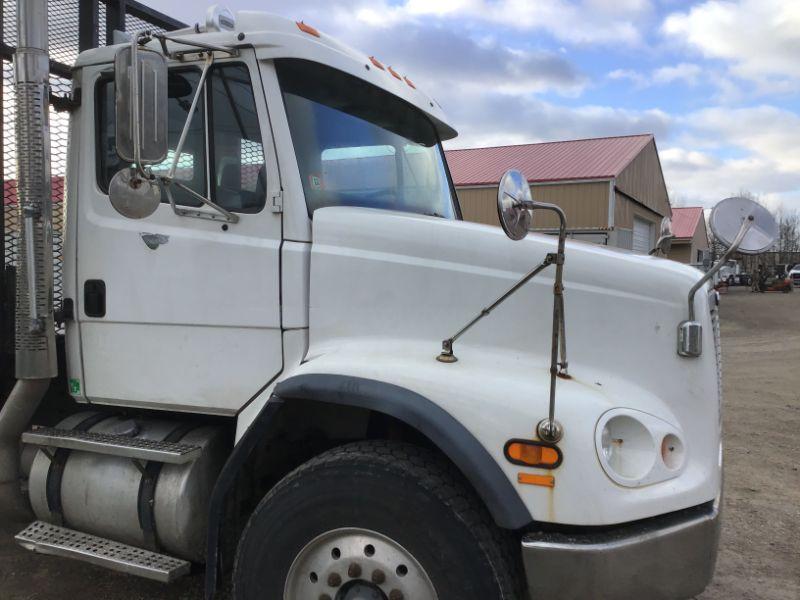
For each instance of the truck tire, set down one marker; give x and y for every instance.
(374, 519)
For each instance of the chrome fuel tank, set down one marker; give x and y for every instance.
(111, 497)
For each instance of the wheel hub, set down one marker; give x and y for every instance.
(360, 590)
(356, 564)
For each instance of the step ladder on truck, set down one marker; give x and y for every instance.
(298, 367)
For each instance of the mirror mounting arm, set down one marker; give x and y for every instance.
(746, 224)
(447, 355)
(690, 332)
(179, 54)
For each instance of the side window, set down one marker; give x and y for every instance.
(236, 161)
(191, 170)
(237, 150)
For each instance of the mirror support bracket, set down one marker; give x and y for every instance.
(690, 331)
(549, 430)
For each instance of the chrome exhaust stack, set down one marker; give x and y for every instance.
(35, 333)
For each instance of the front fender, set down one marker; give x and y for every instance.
(417, 411)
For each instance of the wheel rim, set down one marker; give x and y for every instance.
(356, 564)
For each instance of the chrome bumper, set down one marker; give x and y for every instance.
(670, 557)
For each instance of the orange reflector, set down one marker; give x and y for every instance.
(395, 73)
(531, 479)
(409, 82)
(307, 29)
(532, 454)
(376, 62)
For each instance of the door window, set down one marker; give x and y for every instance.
(225, 122)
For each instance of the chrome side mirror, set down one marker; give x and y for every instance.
(140, 79)
(740, 224)
(665, 237)
(514, 204)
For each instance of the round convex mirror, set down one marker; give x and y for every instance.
(132, 195)
(727, 218)
(665, 236)
(513, 204)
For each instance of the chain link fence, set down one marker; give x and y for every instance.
(74, 26)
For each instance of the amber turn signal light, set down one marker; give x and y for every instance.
(528, 453)
(307, 29)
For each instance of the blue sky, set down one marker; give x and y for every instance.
(717, 82)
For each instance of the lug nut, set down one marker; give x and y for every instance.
(334, 580)
(395, 595)
(354, 571)
(378, 577)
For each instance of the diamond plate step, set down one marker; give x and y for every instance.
(114, 445)
(59, 541)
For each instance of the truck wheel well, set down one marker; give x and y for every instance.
(304, 429)
(309, 414)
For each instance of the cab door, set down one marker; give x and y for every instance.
(174, 311)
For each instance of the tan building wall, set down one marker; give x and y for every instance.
(585, 204)
(643, 180)
(685, 251)
(625, 209)
(640, 192)
(681, 252)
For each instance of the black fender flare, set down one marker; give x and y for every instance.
(453, 439)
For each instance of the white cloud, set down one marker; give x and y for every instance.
(760, 38)
(587, 22)
(687, 73)
(727, 149)
(495, 119)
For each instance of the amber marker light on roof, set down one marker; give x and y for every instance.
(409, 82)
(377, 63)
(307, 29)
(395, 73)
(528, 453)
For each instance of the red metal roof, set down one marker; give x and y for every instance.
(596, 158)
(10, 190)
(685, 221)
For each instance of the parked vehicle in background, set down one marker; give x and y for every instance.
(794, 275)
(739, 279)
(774, 281)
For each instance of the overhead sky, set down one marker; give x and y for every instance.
(717, 82)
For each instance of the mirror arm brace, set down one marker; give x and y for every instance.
(164, 38)
(226, 215)
(548, 429)
(182, 140)
(746, 224)
(447, 345)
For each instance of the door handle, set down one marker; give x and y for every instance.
(94, 298)
(154, 240)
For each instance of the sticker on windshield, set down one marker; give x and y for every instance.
(315, 182)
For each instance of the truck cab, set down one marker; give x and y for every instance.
(256, 352)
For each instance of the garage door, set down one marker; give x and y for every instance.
(642, 235)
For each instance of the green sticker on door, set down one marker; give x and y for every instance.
(74, 386)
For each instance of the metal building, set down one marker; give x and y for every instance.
(612, 189)
(690, 245)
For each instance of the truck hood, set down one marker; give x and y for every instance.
(387, 288)
(418, 277)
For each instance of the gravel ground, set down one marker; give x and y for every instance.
(760, 550)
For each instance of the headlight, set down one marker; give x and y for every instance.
(636, 448)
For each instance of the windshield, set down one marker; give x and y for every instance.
(357, 145)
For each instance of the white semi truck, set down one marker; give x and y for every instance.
(264, 252)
